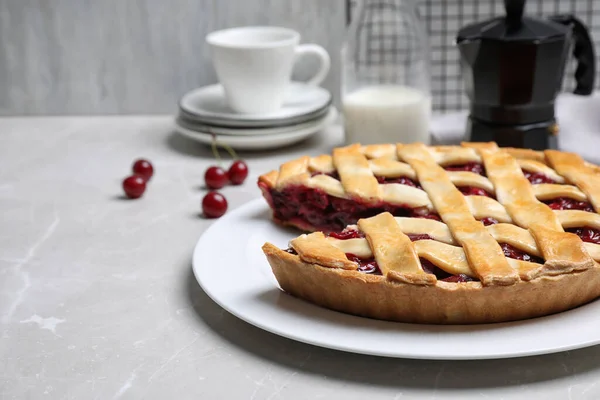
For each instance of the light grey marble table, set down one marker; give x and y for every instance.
(98, 301)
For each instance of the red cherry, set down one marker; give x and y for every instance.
(143, 168)
(134, 186)
(214, 205)
(238, 172)
(215, 177)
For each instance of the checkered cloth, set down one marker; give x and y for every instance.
(444, 18)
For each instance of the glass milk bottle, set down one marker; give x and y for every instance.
(386, 74)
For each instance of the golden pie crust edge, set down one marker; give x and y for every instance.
(374, 296)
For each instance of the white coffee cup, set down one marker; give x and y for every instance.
(254, 65)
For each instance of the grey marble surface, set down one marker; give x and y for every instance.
(137, 56)
(98, 300)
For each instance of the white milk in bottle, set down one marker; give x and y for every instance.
(387, 114)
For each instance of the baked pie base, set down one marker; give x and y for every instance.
(374, 296)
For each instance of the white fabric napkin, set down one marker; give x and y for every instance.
(578, 118)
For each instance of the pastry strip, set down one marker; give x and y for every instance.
(514, 191)
(404, 195)
(391, 169)
(418, 226)
(466, 178)
(483, 252)
(355, 174)
(393, 250)
(451, 259)
(538, 167)
(550, 191)
(563, 252)
(314, 249)
(322, 163)
(293, 172)
(482, 206)
(573, 168)
(578, 219)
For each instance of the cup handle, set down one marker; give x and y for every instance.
(321, 53)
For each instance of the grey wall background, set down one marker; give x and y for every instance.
(139, 56)
(134, 56)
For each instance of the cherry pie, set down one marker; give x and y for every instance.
(448, 234)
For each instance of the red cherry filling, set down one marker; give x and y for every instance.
(419, 236)
(513, 252)
(586, 234)
(473, 191)
(565, 203)
(489, 221)
(367, 266)
(401, 180)
(347, 234)
(459, 278)
(315, 208)
(469, 167)
(536, 178)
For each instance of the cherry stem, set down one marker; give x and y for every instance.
(229, 150)
(214, 145)
(215, 149)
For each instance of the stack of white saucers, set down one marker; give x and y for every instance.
(204, 114)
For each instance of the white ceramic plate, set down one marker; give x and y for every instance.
(194, 126)
(262, 142)
(209, 106)
(229, 265)
(194, 123)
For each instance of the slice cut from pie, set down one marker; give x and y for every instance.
(467, 234)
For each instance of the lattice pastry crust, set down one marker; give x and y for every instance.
(503, 289)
